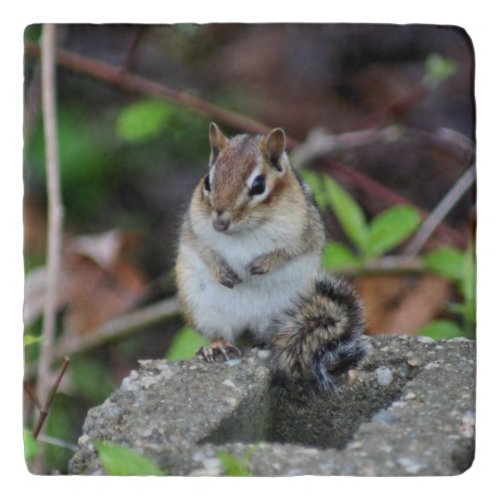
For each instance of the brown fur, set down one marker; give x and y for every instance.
(321, 335)
(322, 332)
(234, 163)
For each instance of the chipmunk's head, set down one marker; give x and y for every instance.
(247, 174)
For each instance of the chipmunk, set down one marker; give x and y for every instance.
(249, 259)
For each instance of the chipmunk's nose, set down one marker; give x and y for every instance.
(221, 221)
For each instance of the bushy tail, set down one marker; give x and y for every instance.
(321, 336)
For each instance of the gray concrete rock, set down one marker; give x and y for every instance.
(407, 410)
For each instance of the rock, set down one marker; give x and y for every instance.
(384, 375)
(414, 362)
(393, 418)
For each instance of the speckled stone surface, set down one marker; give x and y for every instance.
(408, 410)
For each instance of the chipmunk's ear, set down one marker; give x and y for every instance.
(274, 147)
(217, 141)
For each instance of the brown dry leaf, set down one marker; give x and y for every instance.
(101, 282)
(401, 306)
(98, 280)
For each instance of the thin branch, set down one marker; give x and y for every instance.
(32, 396)
(452, 142)
(119, 327)
(321, 143)
(57, 442)
(114, 329)
(44, 412)
(138, 35)
(442, 209)
(392, 264)
(55, 212)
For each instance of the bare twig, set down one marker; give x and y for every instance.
(321, 143)
(44, 411)
(133, 47)
(392, 264)
(442, 209)
(32, 396)
(114, 329)
(55, 212)
(450, 141)
(57, 442)
(119, 327)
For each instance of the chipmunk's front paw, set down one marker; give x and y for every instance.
(260, 265)
(227, 277)
(219, 346)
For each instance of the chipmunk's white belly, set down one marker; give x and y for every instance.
(218, 311)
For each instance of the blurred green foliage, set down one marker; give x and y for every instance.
(33, 32)
(114, 149)
(439, 68)
(185, 344)
(85, 163)
(31, 448)
(232, 465)
(91, 379)
(31, 339)
(458, 267)
(121, 461)
(63, 422)
(144, 120)
(371, 239)
(440, 329)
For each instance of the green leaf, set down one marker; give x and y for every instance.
(447, 262)
(468, 281)
(338, 256)
(232, 465)
(31, 447)
(121, 461)
(390, 228)
(31, 339)
(185, 344)
(439, 68)
(313, 180)
(348, 212)
(440, 329)
(143, 120)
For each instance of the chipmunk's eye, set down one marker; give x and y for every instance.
(207, 183)
(258, 185)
